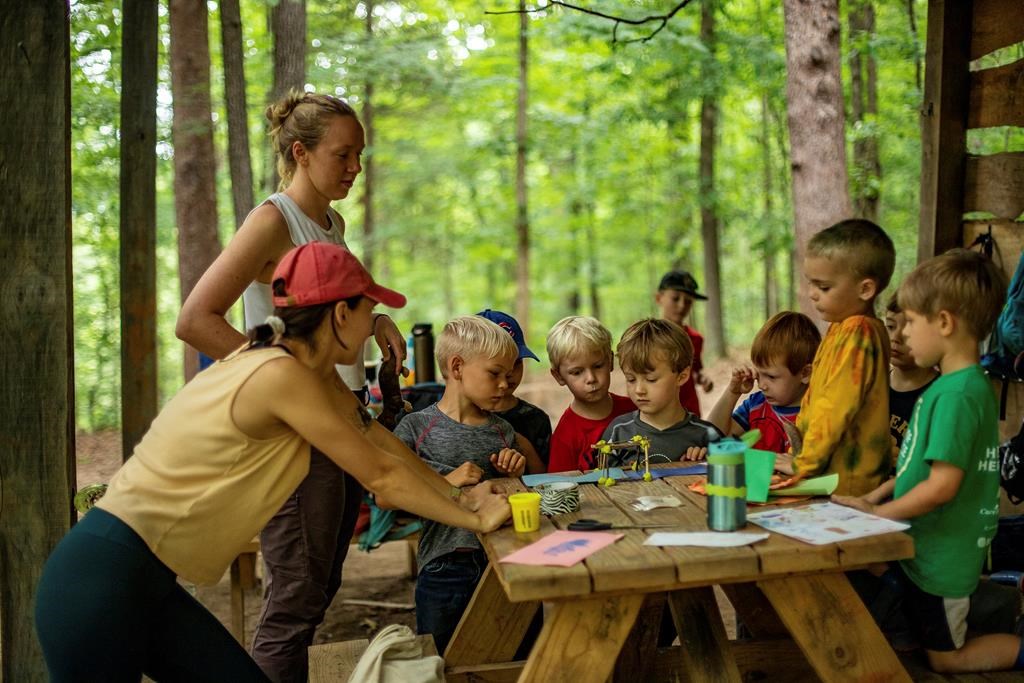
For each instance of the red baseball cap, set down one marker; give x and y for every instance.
(322, 272)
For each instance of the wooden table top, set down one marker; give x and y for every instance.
(628, 566)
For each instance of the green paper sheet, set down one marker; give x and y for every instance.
(818, 486)
(758, 466)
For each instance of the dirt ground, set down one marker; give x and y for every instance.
(383, 575)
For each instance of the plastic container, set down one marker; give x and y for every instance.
(525, 511)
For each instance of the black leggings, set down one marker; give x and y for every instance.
(108, 610)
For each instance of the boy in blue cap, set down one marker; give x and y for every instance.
(532, 425)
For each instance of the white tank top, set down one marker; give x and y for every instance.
(302, 229)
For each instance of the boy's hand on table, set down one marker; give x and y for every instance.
(741, 382)
(465, 474)
(855, 503)
(784, 463)
(786, 483)
(694, 453)
(509, 461)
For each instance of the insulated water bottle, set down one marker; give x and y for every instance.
(726, 488)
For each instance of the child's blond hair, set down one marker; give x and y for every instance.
(469, 337)
(788, 338)
(860, 244)
(577, 334)
(961, 281)
(649, 340)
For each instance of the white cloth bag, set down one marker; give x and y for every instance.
(395, 656)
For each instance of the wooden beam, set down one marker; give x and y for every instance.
(943, 126)
(996, 24)
(139, 34)
(37, 412)
(833, 628)
(997, 96)
(705, 649)
(995, 184)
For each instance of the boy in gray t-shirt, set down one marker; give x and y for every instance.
(656, 355)
(464, 442)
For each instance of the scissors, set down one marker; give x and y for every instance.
(595, 525)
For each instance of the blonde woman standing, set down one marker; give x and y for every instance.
(318, 141)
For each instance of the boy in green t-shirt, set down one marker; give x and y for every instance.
(947, 474)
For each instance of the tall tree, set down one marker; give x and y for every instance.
(368, 162)
(714, 325)
(815, 119)
(867, 168)
(288, 26)
(768, 250)
(139, 41)
(522, 217)
(195, 198)
(37, 399)
(239, 160)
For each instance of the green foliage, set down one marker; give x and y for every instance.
(614, 137)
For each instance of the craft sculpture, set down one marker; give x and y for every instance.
(640, 444)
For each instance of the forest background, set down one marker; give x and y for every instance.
(613, 190)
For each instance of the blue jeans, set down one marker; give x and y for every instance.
(443, 591)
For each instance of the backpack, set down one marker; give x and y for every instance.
(1007, 340)
(1011, 467)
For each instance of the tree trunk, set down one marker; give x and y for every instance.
(195, 198)
(37, 397)
(715, 328)
(917, 52)
(288, 27)
(368, 163)
(522, 217)
(139, 40)
(864, 110)
(815, 117)
(771, 285)
(239, 160)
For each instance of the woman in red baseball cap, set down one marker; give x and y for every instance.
(216, 464)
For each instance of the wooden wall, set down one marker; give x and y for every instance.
(960, 96)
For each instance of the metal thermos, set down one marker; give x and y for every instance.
(423, 352)
(727, 486)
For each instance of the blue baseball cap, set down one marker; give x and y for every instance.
(510, 325)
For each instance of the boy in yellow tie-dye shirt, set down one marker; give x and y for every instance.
(844, 416)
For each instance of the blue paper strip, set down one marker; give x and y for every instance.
(671, 471)
(589, 477)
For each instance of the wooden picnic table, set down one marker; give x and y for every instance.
(604, 614)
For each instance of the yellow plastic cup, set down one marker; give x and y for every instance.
(525, 511)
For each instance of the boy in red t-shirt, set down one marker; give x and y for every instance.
(580, 352)
(675, 296)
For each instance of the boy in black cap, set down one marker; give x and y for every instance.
(532, 424)
(676, 294)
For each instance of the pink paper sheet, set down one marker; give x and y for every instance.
(562, 548)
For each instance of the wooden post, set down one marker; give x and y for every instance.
(944, 126)
(36, 370)
(138, 221)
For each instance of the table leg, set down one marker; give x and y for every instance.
(582, 639)
(754, 611)
(705, 648)
(640, 651)
(491, 628)
(833, 628)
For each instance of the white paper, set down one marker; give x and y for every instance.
(824, 523)
(705, 539)
(645, 503)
